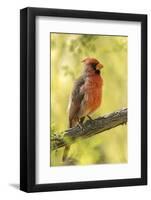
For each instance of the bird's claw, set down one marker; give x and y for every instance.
(81, 126)
(89, 118)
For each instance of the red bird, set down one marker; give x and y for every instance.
(86, 95)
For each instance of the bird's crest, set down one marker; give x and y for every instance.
(89, 60)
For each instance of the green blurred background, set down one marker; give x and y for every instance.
(66, 53)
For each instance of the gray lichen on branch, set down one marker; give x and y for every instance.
(91, 127)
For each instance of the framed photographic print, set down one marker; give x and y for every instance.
(83, 99)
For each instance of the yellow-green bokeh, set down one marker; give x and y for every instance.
(67, 52)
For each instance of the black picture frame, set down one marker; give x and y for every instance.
(28, 99)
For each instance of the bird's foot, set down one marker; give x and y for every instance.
(89, 118)
(81, 126)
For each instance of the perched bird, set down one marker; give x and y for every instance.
(86, 95)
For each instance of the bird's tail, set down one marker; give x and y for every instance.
(67, 147)
(65, 153)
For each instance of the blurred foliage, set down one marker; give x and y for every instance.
(67, 52)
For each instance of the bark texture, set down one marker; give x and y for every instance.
(90, 128)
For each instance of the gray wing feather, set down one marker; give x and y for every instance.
(76, 98)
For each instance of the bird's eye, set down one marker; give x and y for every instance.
(94, 66)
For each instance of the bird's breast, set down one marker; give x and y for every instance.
(92, 93)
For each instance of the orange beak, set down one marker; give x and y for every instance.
(99, 66)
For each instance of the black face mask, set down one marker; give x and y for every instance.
(97, 71)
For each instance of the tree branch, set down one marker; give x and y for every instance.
(91, 127)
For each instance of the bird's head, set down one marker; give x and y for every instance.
(92, 64)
